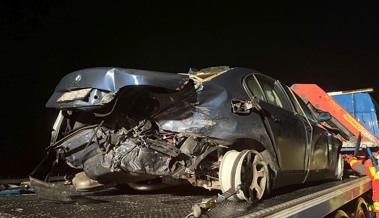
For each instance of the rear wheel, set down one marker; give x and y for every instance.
(247, 171)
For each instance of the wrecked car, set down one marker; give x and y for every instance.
(217, 128)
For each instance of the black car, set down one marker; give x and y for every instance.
(217, 128)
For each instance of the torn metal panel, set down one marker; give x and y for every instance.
(212, 116)
(110, 80)
(208, 73)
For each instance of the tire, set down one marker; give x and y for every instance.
(340, 214)
(246, 171)
(361, 210)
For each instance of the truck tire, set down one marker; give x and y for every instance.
(361, 210)
(340, 214)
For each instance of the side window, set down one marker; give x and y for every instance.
(305, 108)
(272, 92)
(300, 107)
(293, 99)
(254, 88)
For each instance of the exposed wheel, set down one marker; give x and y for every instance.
(246, 170)
(362, 209)
(340, 214)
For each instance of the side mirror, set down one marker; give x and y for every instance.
(245, 106)
(324, 116)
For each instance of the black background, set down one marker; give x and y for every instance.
(333, 44)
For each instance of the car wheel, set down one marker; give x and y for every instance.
(245, 170)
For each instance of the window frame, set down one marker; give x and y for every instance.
(274, 86)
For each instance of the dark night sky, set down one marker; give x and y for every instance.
(332, 44)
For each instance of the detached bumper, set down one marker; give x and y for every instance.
(53, 191)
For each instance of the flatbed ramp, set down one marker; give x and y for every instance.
(316, 200)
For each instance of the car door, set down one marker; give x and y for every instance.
(324, 146)
(288, 130)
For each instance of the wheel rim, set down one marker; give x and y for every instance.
(247, 169)
(260, 175)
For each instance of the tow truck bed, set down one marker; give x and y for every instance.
(314, 200)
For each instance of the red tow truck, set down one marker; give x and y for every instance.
(350, 127)
(355, 130)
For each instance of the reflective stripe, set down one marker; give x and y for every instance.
(373, 171)
(376, 206)
(353, 162)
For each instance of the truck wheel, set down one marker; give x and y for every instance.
(246, 170)
(362, 209)
(340, 214)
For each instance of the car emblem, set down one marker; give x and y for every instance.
(78, 78)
